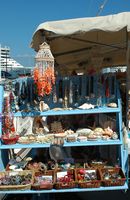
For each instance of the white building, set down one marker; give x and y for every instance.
(8, 63)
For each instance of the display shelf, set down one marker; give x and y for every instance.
(122, 154)
(66, 144)
(124, 187)
(68, 112)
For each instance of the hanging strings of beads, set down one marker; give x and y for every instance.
(44, 76)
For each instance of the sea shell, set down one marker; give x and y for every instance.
(83, 131)
(82, 138)
(57, 109)
(43, 106)
(112, 105)
(69, 132)
(12, 167)
(114, 136)
(99, 129)
(86, 106)
(108, 131)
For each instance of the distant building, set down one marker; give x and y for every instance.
(8, 63)
(115, 69)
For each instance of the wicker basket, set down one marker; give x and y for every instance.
(94, 183)
(17, 187)
(64, 184)
(11, 140)
(113, 181)
(60, 185)
(44, 185)
(97, 164)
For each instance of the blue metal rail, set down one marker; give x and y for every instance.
(124, 187)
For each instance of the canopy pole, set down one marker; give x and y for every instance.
(128, 85)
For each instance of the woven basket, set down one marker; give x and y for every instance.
(45, 186)
(89, 183)
(60, 185)
(42, 187)
(98, 164)
(17, 187)
(65, 185)
(113, 181)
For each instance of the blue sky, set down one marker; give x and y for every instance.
(20, 18)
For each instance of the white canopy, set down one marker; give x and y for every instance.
(79, 43)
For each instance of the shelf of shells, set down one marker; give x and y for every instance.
(80, 111)
(68, 130)
(71, 96)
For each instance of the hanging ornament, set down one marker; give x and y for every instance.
(9, 135)
(44, 76)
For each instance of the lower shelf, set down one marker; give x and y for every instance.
(124, 187)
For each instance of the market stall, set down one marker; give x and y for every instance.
(69, 113)
(84, 43)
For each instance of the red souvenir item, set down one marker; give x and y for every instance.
(9, 136)
(44, 76)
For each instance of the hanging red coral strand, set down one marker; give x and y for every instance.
(44, 81)
(44, 76)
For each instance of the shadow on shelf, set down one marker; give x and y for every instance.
(120, 195)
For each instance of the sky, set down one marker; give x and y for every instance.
(20, 18)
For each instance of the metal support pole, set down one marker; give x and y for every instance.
(128, 86)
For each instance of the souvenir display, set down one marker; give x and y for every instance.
(61, 175)
(39, 130)
(55, 115)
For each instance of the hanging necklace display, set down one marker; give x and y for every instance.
(107, 89)
(54, 95)
(65, 104)
(16, 88)
(70, 92)
(60, 91)
(16, 92)
(44, 76)
(76, 94)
